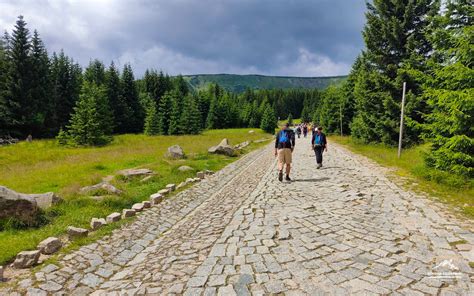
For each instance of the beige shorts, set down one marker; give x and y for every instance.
(284, 155)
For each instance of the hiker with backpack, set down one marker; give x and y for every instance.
(319, 144)
(305, 130)
(284, 146)
(298, 131)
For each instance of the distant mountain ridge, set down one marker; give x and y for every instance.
(239, 83)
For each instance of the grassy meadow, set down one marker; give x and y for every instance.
(456, 191)
(43, 166)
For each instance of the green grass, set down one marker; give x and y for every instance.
(456, 191)
(43, 166)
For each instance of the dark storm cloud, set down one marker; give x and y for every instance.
(301, 38)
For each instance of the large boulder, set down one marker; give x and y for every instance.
(102, 186)
(223, 148)
(26, 259)
(175, 151)
(76, 232)
(22, 206)
(130, 173)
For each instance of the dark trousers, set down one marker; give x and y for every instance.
(319, 154)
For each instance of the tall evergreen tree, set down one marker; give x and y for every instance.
(135, 115)
(449, 91)
(164, 113)
(175, 127)
(20, 101)
(396, 44)
(119, 108)
(6, 115)
(152, 124)
(190, 117)
(95, 72)
(212, 120)
(87, 125)
(269, 120)
(66, 80)
(40, 84)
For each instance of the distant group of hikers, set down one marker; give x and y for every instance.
(285, 144)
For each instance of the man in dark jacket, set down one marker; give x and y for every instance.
(319, 144)
(284, 145)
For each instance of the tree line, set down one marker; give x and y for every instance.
(52, 96)
(431, 48)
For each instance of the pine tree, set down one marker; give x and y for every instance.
(175, 127)
(95, 72)
(87, 123)
(119, 108)
(152, 125)
(129, 93)
(305, 115)
(450, 91)
(212, 121)
(396, 47)
(290, 119)
(21, 105)
(269, 120)
(6, 115)
(66, 81)
(40, 84)
(191, 117)
(164, 113)
(181, 86)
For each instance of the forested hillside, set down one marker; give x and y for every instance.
(239, 83)
(432, 50)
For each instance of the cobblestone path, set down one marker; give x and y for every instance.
(345, 229)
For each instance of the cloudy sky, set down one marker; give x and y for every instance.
(270, 37)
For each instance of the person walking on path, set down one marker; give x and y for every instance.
(305, 130)
(319, 144)
(298, 131)
(284, 145)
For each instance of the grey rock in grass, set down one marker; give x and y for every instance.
(209, 172)
(1, 273)
(128, 213)
(146, 179)
(251, 131)
(185, 168)
(175, 151)
(76, 232)
(200, 175)
(97, 223)
(50, 245)
(114, 217)
(138, 207)
(26, 259)
(24, 207)
(189, 180)
(130, 173)
(146, 204)
(164, 191)
(242, 145)
(109, 188)
(223, 148)
(156, 198)
(181, 185)
(171, 187)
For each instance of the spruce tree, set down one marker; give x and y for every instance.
(19, 83)
(152, 125)
(190, 117)
(6, 115)
(269, 120)
(396, 47)
(119, 108)
(40, 85)
(129, 93)
(175, 127)
(87, 123)
(290, 119)
(449, 91)
(305, 114)
(164, 113)
(212, 121)
(95, 72)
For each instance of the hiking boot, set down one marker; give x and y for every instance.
(280, 176)
(288, 178)
(318, 166)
